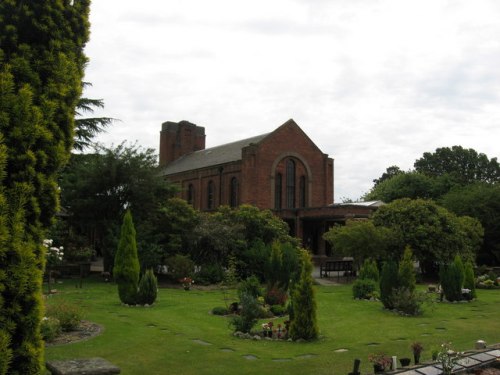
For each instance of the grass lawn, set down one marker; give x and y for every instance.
(178, 335)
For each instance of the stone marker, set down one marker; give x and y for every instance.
(87, 366)
(480, 344)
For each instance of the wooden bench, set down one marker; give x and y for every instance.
(82, 366)
(341, 267)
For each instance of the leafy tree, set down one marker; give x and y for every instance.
(389, 281)
(464, 165)
(403, 185)
(98, 188)
(433, 233)
(126, 269)
(389, 173)
(480, 201)
(42, 63)
(360, 239)
(304, 323)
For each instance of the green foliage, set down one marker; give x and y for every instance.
(369, 270)
(390, 172)
(255, 260)
(469, 279)
(278, 310)
(480, 201)
(275, 296)
(388, 282)
(433, 233)
(126, 269)
(5, 352)
(461, 270)
(50, 328)
(359, 239)
(304, 321)
(67, 313)
(250, 312)
(406, 275)
(180, 266)
(41, 67)
(148, 288)
(364, 288)
(451, 279)
(408, 302)
(412, 185)
(220, 310)
(273, 277)
(210, 274)
(250, 286)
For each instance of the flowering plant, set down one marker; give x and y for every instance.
(381, 359)
(417, 347)
(54, 254)
(186, 282)
(448, 358)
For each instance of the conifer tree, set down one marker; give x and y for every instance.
(406, 275)
(148, 288)
(388, 282)
(469, 281)
(41, 69)
(126, 269)
(304, 323)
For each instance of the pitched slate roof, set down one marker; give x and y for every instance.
(211, 156)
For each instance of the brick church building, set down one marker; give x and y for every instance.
(283, 171)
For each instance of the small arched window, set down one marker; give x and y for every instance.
(290, 183)
(277, 191)
(302, 192)
(210, 195)
(190, 194)
(233, 188)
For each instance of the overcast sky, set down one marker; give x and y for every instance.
(374, 83)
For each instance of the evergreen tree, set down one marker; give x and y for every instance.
(469, 280)
(406, 275)
(451, 278)
(148, 288)
(369, 270)
(304, 323)
(41, 69)
(388, 282)
(126, 269)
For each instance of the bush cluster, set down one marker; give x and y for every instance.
(68, 314)
(50, 328)
(364, 289)
(250, 312)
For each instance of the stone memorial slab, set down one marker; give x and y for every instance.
(409, 372)
(82, 366)
(468, 362)
(494, 353)
(429, 370)
(483, 357)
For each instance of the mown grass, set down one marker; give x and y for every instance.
(179, 336)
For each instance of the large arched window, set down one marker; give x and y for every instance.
(233, 188)
(190, 194)
(278, 184)
(210, 195)
(290, 183)
(302, 191)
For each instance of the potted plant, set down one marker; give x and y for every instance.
(186, 282)
(417, 349)
(381, 362)
(405, 361)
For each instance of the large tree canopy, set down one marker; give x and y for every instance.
(464, 165)
(434, 233)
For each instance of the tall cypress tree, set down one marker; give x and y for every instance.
(41, 71)
(127, 268)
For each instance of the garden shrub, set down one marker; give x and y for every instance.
(126, 268)
(364, 288)
(220, 310)
(210, 274)
(180, 266)
(5, 352)
(407, 302)
(250, 312)
(148, 288)
(406, 273)
(278, 310)
(461, 270)
(50, 328)
(469, 281)
(274, 268)
(369, 270)
(290, 265)
(304, 322)
(451, 278)
(254, 261)
(250, 286)
(69, 314)
(388, 282)
(276, 296)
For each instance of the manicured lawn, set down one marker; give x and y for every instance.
(179, 336)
